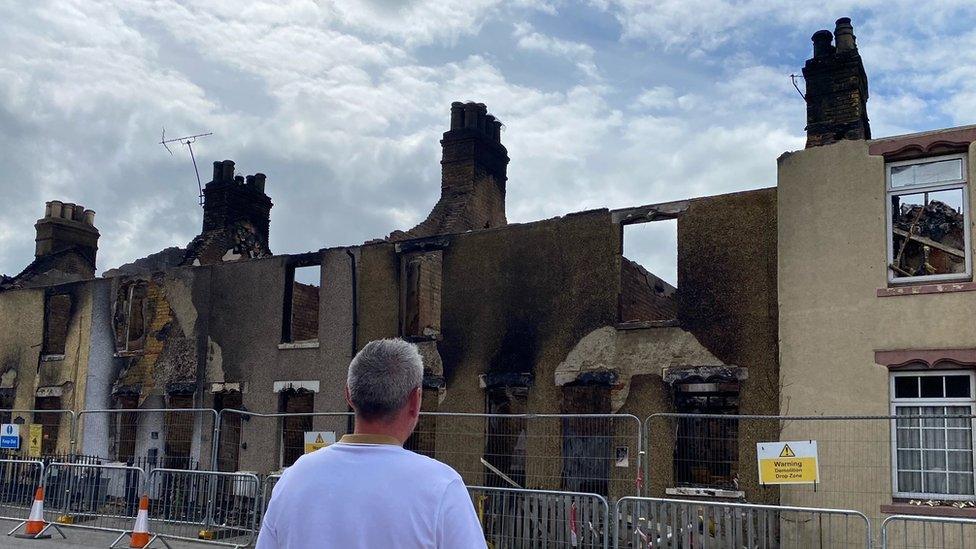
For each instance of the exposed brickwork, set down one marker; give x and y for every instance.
(644, 296)
(421, 276)
(837, 89)
(304, 312)
(57, 312)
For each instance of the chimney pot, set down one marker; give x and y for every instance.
(821, 44)
(218, 170)
(47, 209)
(844, 35)
(470, 115)
(259, 181)
(227, 170)
(56, 206)
(67, 210)
(457, 115)
(90, 217)
(239, 179)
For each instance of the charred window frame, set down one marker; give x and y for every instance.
(506, 435)
(57, 312)
(927, 201)
(126, 428)
(706, 450)
(131, 317)
(229, 438)
(294, 427)
(300, 311)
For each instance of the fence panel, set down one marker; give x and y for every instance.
(42, 432)
(169, 438)
(922, 532)
(264, 443)
(98, 497)
(674, 523)
(595, 453)
(513, 519)
(207, 506)
(19, 479)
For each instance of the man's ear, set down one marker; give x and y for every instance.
(348, 397)
(416, 400)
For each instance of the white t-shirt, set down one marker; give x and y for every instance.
(368, 492)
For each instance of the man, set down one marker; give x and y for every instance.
(367, 491)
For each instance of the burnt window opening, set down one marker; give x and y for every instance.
(126, 426)
(587, 441)
(648, 271)
(506, 437)
(420, 294)
(130, 316)
(57, 311)
(301, 314)
(6, 405)
(229, 444)
(293, 428)
(50, 423)
(706, 451)
(178, 427)
(928, 220)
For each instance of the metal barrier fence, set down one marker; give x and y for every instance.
(42, 432)
(674, 523)
(169, 438)
(513, 519)
(591, 453)
(267, 486)
(19, 479)
(207, 506)
(267, 442)
(923, 532)
(97, 497)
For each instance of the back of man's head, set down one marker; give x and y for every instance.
(382, 376)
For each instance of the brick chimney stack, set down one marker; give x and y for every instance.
(66, 226)
(230, 199)
(837, 88)
(474, 163)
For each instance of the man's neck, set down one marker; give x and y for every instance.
(364, 427)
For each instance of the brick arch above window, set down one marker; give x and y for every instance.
(924, 359)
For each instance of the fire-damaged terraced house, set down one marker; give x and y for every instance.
(839, 290)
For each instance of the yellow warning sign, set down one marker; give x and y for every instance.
(35, 434)
(318, 439)
(788, 462)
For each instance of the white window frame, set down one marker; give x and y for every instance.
(919, 402)
(917, 189)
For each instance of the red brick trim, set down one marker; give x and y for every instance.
(919, 145)
(925, 510)
(929, 358)
(921, 289)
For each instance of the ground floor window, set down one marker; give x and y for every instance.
(294, 427)
(50, 422)
(933, 434)
(505, 440)
(706, 451)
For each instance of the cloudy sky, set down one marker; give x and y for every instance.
(605, 103)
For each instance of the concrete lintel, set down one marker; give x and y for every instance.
(650, 212)
(506, 379)
(309, 385)
(704, 374)
(428, 244)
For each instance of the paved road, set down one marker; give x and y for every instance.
(77, 539)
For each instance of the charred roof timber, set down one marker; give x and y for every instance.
(837, 88)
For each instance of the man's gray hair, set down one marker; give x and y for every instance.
(382, 376)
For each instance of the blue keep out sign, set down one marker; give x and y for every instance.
(9, 436)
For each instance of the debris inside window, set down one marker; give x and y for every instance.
(928, 233)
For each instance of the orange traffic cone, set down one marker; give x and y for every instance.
(140, 533)
(35, 521)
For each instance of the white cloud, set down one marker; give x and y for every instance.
(576, 52)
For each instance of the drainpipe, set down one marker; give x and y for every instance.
(355, 319)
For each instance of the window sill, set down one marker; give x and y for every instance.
(688, 491)
(52, 358)
(299, 345)
(900, 508)
(921, 289)
(125, 354)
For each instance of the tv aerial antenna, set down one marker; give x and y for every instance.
(187, 140)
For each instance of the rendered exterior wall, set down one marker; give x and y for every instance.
(832, 260)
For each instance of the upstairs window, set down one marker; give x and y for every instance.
(928, 220)
(933, 435)
(57, 310)
(301, 315)
(130, 317)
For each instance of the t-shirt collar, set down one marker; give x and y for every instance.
(369, 439)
